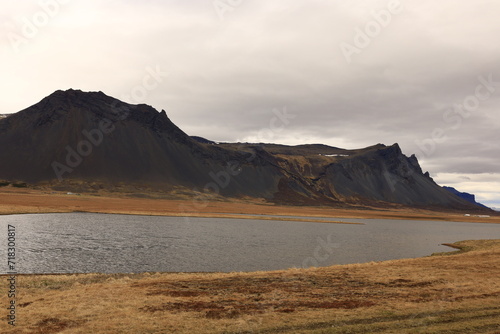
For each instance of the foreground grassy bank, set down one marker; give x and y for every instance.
(445, 293)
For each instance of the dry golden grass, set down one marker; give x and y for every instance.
(14, 200)
(456, 293)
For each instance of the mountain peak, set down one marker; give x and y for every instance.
(72, 91)
(74, 108)
(80, 97)
(127, 141)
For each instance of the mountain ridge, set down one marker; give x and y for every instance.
(92, 137)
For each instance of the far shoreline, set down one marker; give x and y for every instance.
(307, 219)
(30, 201)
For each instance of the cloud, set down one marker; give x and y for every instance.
(226, 76)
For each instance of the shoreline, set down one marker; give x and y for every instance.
(383, 297)
(459, 250)
(37, 202)
(306, 219)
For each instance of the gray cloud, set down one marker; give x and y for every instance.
(226, 76)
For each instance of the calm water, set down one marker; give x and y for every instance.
(82, 242)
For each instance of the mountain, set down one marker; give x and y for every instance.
(89, 137)
(202, 140)
(468, 197)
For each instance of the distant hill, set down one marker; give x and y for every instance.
(468, 197)
(89, 137)
(202, 140)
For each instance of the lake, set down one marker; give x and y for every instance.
(86, 242)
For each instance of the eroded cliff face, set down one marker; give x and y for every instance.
(91, 137)
(366, 176)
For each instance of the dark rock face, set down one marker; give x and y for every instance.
(202, 140)
(91, 137)
(368, 176)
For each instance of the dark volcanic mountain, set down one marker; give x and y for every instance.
(91, 137)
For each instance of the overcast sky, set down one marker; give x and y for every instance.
(347, 73)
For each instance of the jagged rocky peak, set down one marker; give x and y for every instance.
(394, 148)
(72, 96)
(62, 102)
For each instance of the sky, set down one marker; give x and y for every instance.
(423, 74)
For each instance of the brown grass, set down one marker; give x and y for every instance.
(14, 200)
(457, 293)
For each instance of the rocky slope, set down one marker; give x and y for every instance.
(91, 137)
